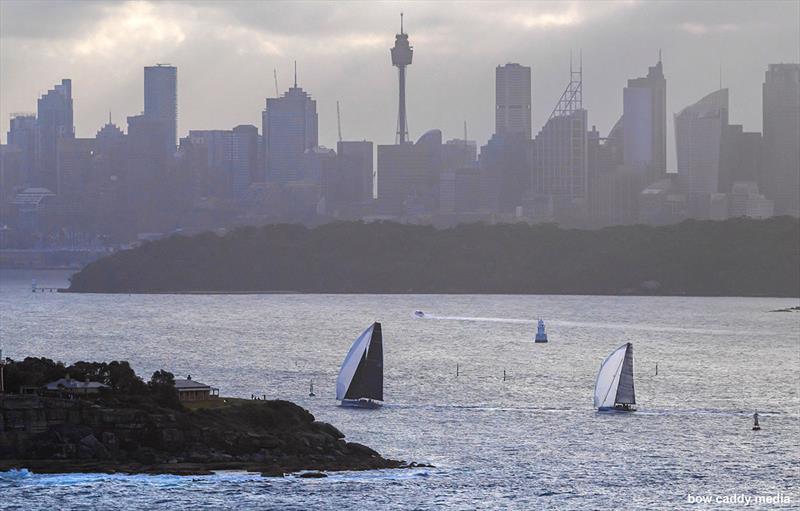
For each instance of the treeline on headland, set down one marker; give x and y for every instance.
(737, 257)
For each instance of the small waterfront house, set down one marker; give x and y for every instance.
(71, 386)
(191, 390)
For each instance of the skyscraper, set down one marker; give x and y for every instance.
(289, 128)
(53, 122)
(698, 141)
(513, 100)
(244, 166)
(781, 102)
(408, 175)
(22, 135)
(355, 161)
(559, 178)
(645, 123)
(402, 53)
(161, 99)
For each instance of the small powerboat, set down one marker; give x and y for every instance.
(419, 314)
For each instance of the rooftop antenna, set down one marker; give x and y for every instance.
(295, 74)
(720, 75)
(659, 54)
(339, 121)
(275, 74)
(465, 133)
(109, 117)
(401, 22)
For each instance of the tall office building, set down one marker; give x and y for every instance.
(147, 157)
(408, 175)
(53, 122)
(22, 135)
(402, 53)
(289, 126)
(244, 165)
(513, 100)
(161, 100)
(559, 166)
(698, 141)
(740, 157)
(645, 123)
(355, 162)
(781, 103)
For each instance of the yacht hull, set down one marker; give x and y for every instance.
(361, 403)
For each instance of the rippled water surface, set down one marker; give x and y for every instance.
(531, 441)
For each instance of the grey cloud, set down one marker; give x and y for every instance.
(225, 71)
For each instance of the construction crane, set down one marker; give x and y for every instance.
(275, 74)
(339, 121)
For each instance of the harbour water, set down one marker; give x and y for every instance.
(531, 441)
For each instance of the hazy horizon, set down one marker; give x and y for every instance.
(226, 53)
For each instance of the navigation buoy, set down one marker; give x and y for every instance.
(504, 375)
(311, 390)
(656, 368)
(756, 427)
(456, 370)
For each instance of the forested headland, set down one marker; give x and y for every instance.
(737, 257)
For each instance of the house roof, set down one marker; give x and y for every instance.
(69, 383)
(189, 384)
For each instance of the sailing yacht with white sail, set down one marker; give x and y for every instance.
(613, 390)
(360, 381)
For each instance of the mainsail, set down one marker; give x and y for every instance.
(361, 375)
(614, 383)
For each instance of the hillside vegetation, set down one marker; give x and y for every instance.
(737, 257)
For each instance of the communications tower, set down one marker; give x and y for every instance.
(401, 57)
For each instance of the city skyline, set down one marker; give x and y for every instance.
(460, 84)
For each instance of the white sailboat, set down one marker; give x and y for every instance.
(360, 381)
(613, 390)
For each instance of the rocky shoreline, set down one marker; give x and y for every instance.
(109, 435)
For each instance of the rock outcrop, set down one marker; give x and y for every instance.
(105, 435)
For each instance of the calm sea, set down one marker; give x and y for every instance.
(531, 441)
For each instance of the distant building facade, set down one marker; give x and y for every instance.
(513, 100)
(781, 110)
(22, 134)
(161, 100)
(53, 122)
(408, 175)
(645, 123)
(698, 142)
(290, 127)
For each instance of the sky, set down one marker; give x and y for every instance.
(226, 53)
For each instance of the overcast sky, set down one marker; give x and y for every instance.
(226, 53)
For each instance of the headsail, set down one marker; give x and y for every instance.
(608, 379)
(361, 375)
(625, 392)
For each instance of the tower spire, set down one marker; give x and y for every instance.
(401, 57)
